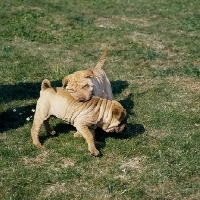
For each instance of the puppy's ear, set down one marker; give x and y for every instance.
(118, 111)
(88, 73)
(65, 81)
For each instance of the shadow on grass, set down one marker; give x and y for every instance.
(132, 130)
(59, 128)
(100, 135)
(26, 91)
(22, 91)
(128, 104)
(118, 86)
(17, 117)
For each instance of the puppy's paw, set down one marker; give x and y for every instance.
(77, 134)
(39, 145)
(95, 152)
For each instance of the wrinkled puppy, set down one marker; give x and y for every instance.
(85, 83)
(85, 116)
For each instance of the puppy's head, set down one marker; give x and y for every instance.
(118, 122)
(79, 84)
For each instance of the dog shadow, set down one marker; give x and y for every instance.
(59, 129)
(18, 92)
(131, 130)
(118, 86)
(128, 104)
(14, 118)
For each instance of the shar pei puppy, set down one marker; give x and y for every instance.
(84, 84)
(85, 116)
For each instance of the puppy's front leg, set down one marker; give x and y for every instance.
(77, 134)
(88, 134)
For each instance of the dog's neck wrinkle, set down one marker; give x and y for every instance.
(90, 105)
(102, 109)
(103, 113)
(107, 115)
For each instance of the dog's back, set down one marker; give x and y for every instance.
(102, 86)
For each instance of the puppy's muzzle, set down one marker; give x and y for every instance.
(120, 127)
(81, 99)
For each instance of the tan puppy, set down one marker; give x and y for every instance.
(85, 116)
(83, 84)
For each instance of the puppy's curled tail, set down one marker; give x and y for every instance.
(102, 58)
(45, 84)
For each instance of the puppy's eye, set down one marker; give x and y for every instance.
(85, 86)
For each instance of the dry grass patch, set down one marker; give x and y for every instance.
(163, 190)
(106, 22)
(53, 189)
(140, 22)
(40, 159)
(158, 134)
(147, 39)
(67, 163)
(190, 85)
(136, 163)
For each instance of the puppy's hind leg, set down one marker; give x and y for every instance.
(48, 127)
(35, 131)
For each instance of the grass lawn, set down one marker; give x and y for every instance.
(153, 64)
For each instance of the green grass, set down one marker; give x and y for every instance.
(153, 55)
